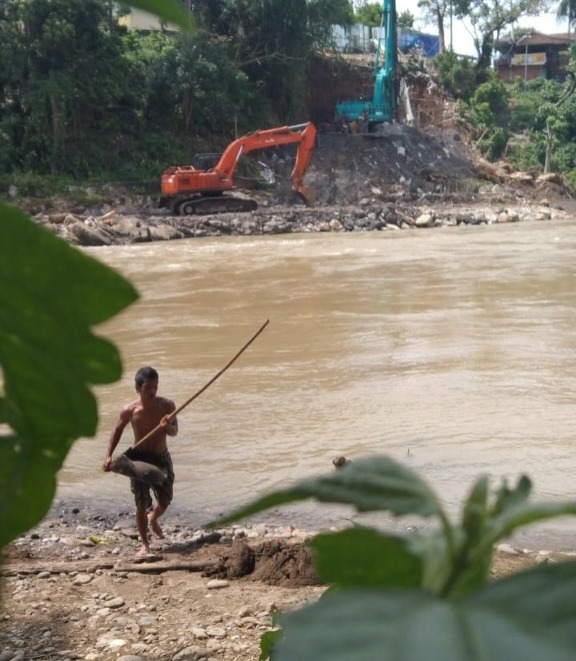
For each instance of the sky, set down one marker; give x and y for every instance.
(461, 39)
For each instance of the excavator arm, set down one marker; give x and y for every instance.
(182, 186)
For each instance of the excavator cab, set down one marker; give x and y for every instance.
(205, 161)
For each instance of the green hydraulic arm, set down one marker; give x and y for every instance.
(383, 105)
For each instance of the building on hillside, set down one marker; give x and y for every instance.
(534, 55)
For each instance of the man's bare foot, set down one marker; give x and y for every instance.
(143, 551)
(154, 525)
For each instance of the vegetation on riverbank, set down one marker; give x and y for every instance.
(154, 99)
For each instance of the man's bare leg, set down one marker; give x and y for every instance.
(142, 525)
(153, 517)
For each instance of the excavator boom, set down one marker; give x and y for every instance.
(187, 190)
(381, 107)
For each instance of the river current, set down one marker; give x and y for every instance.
(451, 350)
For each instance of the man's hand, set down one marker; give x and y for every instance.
(169, 424)
(106, 464)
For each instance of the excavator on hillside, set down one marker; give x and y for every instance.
(382, 106)
(188, 190)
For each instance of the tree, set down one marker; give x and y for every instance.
(435, 12)
(271, 41)
(405, 19)
(189, 84)
(567, 9)
(486, 19)
(369, 14)
(62, 71)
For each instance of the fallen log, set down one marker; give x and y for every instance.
(91, 567)
(161, 567)
(85, 567)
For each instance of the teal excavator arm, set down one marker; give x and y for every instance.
(382, 106)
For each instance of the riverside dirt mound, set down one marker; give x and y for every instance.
(399, 162)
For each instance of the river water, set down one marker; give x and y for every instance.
(451, 350)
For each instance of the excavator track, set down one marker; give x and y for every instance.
(208, 205)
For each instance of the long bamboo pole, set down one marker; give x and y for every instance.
(207, 385)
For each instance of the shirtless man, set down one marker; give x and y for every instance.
(145, 414)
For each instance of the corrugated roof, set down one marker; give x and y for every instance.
(536, 39)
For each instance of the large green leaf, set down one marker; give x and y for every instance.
(362, 557)
(393, 625)
(545, 596)
(168, 10)
(371, 484)
(522, 514)
(475, 509)
(50, 297)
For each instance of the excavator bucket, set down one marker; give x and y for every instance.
(307, 195)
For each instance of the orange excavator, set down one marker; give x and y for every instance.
(187, 190)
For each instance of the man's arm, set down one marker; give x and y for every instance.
(116, 435)
(170, 425)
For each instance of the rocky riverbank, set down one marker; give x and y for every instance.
(403, 180)
(109, 226)
(73, 589)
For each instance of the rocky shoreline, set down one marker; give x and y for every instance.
(122, 221)
(72, 588)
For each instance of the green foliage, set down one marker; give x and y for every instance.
(458, 75)
(570, 179)
(405, 19)
(492, 94)
(493, 143)
(533, 106)
(29, 184)
(191, 85)
(50, 297)
(427, 594)
(271, 42)
(567, 9)
(330, 12)
(370, 13)
(488, 110)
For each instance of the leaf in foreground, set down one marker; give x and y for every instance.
(362, 557)
(363, 625)
(50, 296)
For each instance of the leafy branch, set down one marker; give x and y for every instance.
(423, 595)
(51, 295)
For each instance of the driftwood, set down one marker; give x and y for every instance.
(405, 217)
(160, 567)
(90, 567)
(78, 566)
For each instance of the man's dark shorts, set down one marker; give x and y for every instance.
(141, 490)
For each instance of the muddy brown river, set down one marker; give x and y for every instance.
(452, 350)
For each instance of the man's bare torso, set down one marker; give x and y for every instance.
(145, 418)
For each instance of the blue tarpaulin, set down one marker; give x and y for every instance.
(427, 44)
